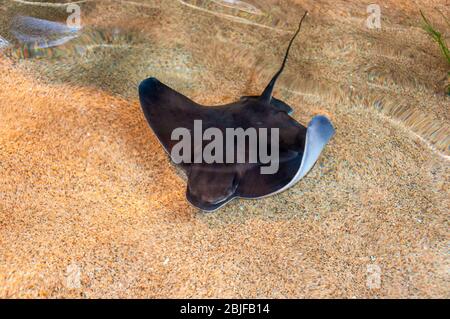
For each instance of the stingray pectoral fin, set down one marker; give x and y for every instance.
(166, 110)
(319, 132)
(254, 184)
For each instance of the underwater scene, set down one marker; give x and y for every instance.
(118, 178)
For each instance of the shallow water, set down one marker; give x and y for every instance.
(234, 46)
(85, 182)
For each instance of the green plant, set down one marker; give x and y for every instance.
(437, 36)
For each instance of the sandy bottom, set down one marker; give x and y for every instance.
(91, 207)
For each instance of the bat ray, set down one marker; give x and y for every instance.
(213, 184)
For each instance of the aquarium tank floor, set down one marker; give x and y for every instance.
(90, 206)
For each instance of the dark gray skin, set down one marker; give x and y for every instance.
(211, 186)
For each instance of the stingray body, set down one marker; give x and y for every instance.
(212, 185)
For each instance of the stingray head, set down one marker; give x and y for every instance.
(210, 187)
(274, 114)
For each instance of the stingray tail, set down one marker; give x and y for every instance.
(267, 94)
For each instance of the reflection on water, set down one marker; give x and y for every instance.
(241, 5)
(240, 11)
(218, 49)
(3, 43)
(38, 38)
(42, 33)
(45, 48)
